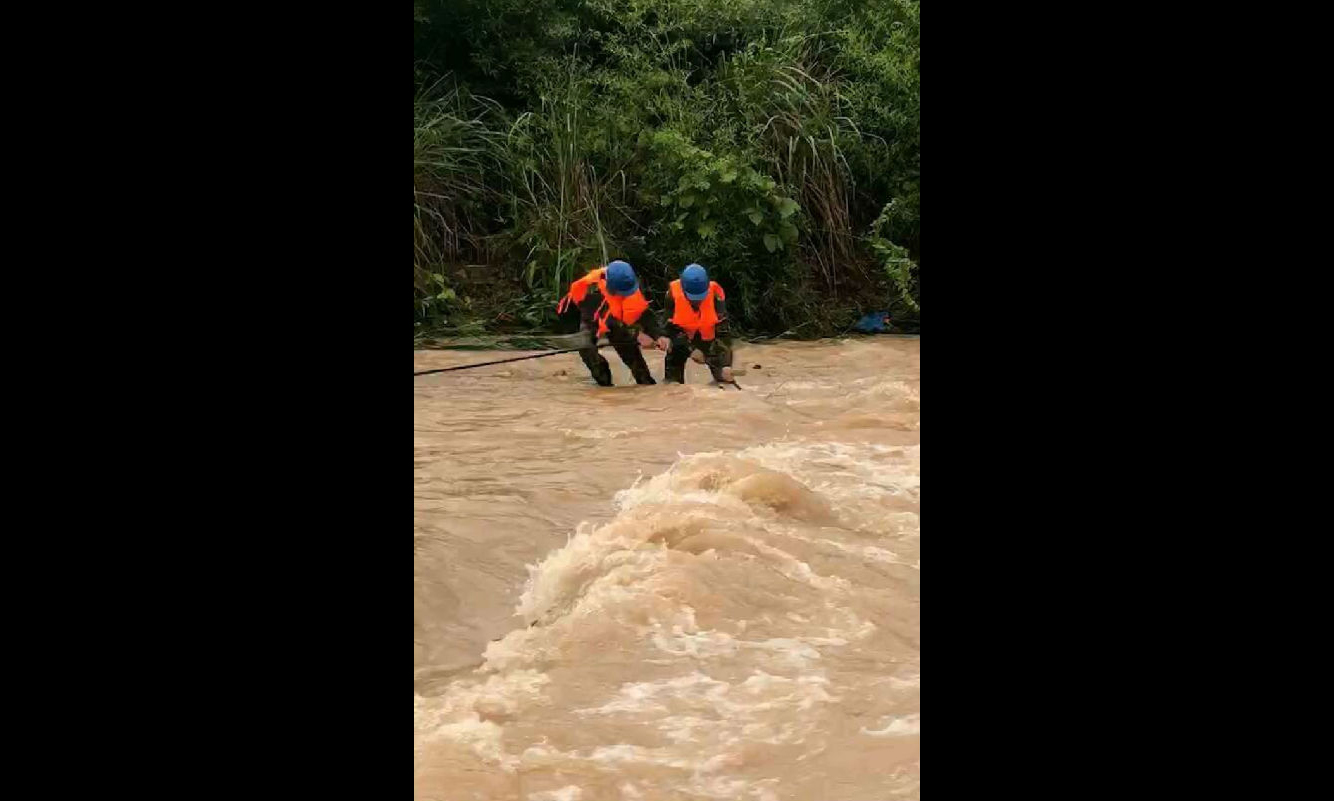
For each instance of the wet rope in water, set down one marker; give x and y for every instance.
(513, 342)
(502, 361)
(570, 350)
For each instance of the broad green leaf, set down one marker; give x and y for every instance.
(787, 207)
(707, 229)
(771, 242)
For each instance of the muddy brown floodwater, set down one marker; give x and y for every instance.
(669, 592)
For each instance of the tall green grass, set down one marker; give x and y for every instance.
(775, 142)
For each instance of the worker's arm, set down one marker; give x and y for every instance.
(719, 357)
(723, 330)
(671, 330)
(648, 321)
(588, 310)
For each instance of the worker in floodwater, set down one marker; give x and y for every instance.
(612, 304)
(696, 312)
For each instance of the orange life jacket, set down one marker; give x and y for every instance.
(703, 321)
(626, 309)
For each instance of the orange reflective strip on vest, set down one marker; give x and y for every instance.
(579, 289)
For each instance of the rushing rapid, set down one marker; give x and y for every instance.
(669, 592)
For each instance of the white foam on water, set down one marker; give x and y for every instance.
(463, 714)
(777, 509)
(905, 726)
(595, 433)
(808, 385)
(569, 792)
(638, 697)
(735, 712)
(718, 787)
(800, 652)
(880, 389)
(862, 470)
(908, 682)
(870, 553)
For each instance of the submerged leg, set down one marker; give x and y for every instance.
(597, 366)
(634, 359)
(674, 371)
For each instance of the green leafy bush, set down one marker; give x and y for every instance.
(756, 137)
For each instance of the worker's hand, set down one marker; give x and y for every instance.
(664, 344)
(727, 373)
(644, 340)
(697, 356)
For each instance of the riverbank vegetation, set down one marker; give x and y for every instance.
(774, 141)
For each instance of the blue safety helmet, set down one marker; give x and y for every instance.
(695, 282)
(621, 280)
